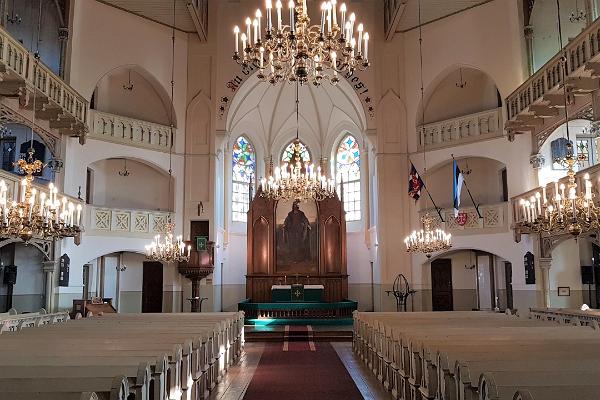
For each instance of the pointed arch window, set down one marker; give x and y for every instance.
(289, 151)
(243, 174)
(347, 166)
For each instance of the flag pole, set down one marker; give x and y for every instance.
(468, 191)
(429, 194)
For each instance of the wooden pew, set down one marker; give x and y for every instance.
(200, 346)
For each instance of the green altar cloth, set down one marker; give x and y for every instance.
(295, 293)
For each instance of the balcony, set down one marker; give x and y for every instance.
(22, 79)
(536, 107)
(125, 222)
(460, 130)
(495, 219)
(130, 131)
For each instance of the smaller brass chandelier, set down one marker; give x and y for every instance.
(428, 240)
(568, 210)
(167, 248)
(297, 180)
(37, 214)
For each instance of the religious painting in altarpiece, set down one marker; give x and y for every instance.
(296, 238)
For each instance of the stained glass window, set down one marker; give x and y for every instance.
(243, 173)
(289, 151)
(347, 164)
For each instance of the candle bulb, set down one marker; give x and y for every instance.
(248, 33)
(352, 19)
(269, 6)
(334, 11)
(304, 8)
(236, 31)
(329, 18)
(79, 208)
(292, 24)
(343, 12)
(347, 33)
(539, 203)
(278, 7)
(323, 11)
(244, 38)
(259, 17)
(360, 37)
(366, 37)
(255, 25)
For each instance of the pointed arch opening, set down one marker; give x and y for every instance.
(288, 151)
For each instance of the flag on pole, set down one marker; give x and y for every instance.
(457, 180)
(415, 183)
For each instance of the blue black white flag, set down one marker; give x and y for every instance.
(415, 183)
(457, 180)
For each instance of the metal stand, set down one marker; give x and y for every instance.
(401, 291)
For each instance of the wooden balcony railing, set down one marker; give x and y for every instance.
(125, 222)
(56, 101)
(536, 106)
(460, 130)
(494, 219)
(130, 131)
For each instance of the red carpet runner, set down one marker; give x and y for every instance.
(301, 369)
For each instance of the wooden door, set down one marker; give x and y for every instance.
(509, 286)
(441, 285)
(152, 287)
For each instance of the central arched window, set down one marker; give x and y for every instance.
(286, 156)
(243, 174)
(347, 169)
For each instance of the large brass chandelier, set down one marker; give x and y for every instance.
(426, 240)
(569, 209)
(34, 213)
(300, 51)
(169, 248)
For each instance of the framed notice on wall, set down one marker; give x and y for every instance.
(529, 264)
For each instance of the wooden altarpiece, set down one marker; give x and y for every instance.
(331, 263)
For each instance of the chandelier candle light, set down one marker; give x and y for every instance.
(300, 51)
(37, 214)
(297, 180)
(168, 250)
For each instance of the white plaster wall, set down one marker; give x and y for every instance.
(566, 272)
(133, 191)
(145, 101)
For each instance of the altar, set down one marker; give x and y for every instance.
(298, 242)
(297, 293)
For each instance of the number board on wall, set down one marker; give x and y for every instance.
(63, 270)
(528, 261)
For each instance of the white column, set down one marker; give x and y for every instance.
(544, 265)
(49, 267)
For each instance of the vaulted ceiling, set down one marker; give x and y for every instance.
(160, 11)
(431, 10)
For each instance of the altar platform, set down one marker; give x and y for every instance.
(298, 313)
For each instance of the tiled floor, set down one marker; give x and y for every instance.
(239, 376)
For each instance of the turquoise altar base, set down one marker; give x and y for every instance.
(298, 313)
